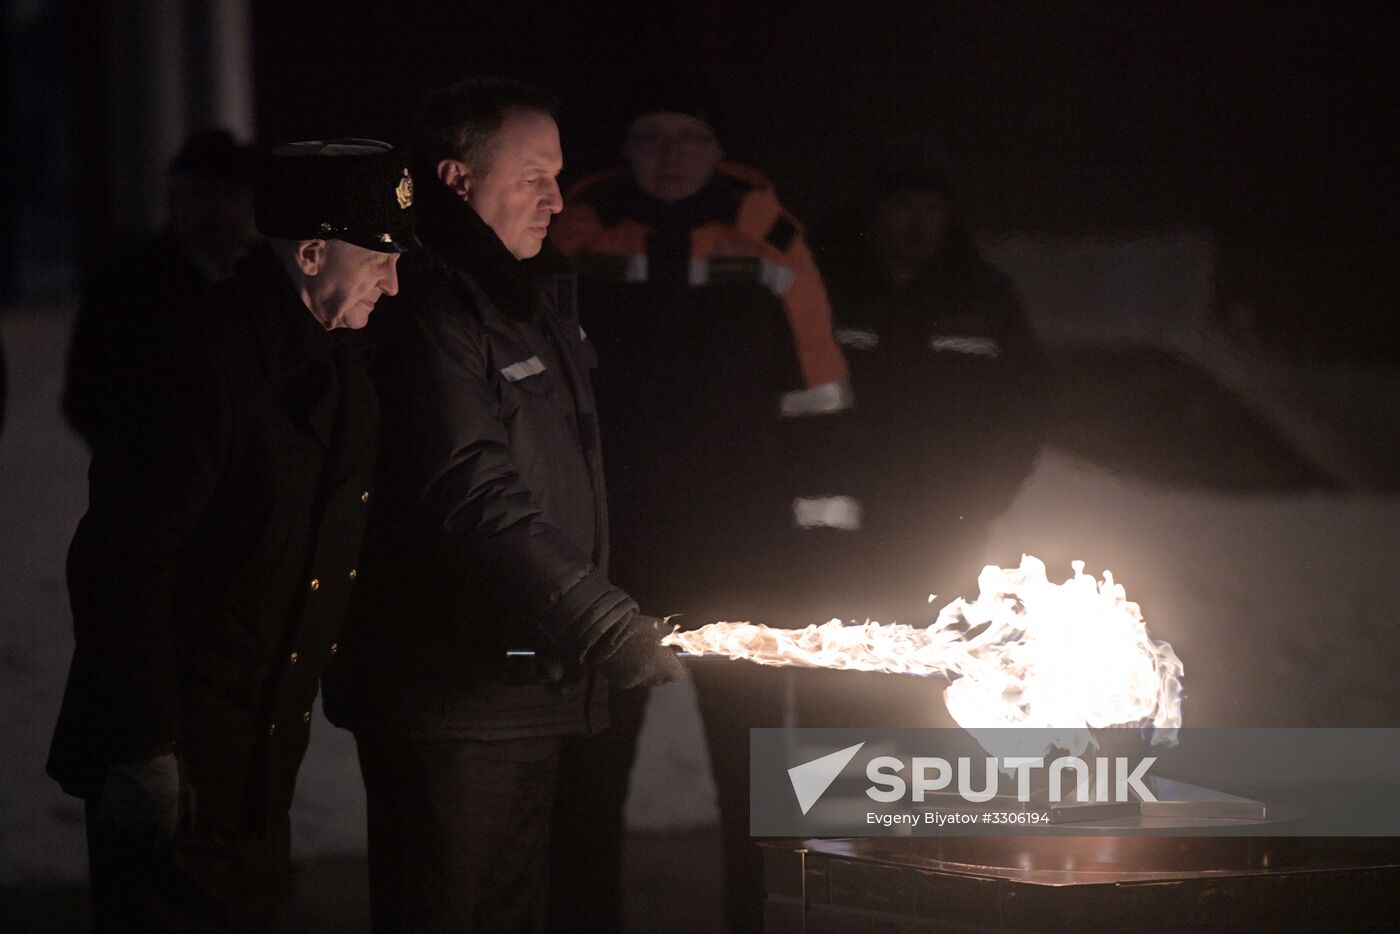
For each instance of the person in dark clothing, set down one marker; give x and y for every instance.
(130, 331)
(720, 386)
(951, 384)
(485, 629)
(210, 575)
(950, 379)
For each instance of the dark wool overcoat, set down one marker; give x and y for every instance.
(210, 575)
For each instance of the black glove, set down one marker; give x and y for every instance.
(632, 656)
(141, 801)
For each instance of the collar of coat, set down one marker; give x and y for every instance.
(455, 236)
(292, 339)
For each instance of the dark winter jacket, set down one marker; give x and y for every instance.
(950, 381)
(491, 533)
(210, 575)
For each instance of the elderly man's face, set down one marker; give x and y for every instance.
(672, 155)
(344, 281)
(518, 194)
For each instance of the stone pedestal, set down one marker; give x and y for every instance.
(1113, 885)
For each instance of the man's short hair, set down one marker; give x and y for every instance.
(461, 120)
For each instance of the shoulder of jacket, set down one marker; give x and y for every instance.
(591, 208)
(443, 299)
(747, 176)
(760, 213)
(592, 186)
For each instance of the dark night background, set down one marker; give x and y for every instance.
(1232, 162)
(1275, 130)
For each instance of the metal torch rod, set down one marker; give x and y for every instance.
(712, 657)
(530, 653)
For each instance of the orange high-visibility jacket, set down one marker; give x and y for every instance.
(762, 240)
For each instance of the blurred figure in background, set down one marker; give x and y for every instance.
(950, 382)
(132, 327)
(719, 386)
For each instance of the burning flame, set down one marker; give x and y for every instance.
(1060, 658)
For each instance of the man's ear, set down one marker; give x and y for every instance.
(456, 176)
(310, 255)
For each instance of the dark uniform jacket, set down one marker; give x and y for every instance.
(210, 574)
(491, 532)
(950, 381)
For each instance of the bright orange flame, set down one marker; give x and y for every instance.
(1027, 653)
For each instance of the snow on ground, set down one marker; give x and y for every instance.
(43, 476)
(1284, 609)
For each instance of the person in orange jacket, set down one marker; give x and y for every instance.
(720, 391)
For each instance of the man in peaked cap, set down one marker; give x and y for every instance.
(209, 576)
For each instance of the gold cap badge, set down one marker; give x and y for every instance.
(405, 190)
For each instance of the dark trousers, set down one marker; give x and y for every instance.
(204, 880)
(458, 832)
(586, 840)
(733, 698)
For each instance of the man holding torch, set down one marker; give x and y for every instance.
(486, 629)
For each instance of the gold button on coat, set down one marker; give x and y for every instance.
(333, 648)
(272, 730)
(294, 658)
(315, 584)
(364, 497)
(306, 717)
